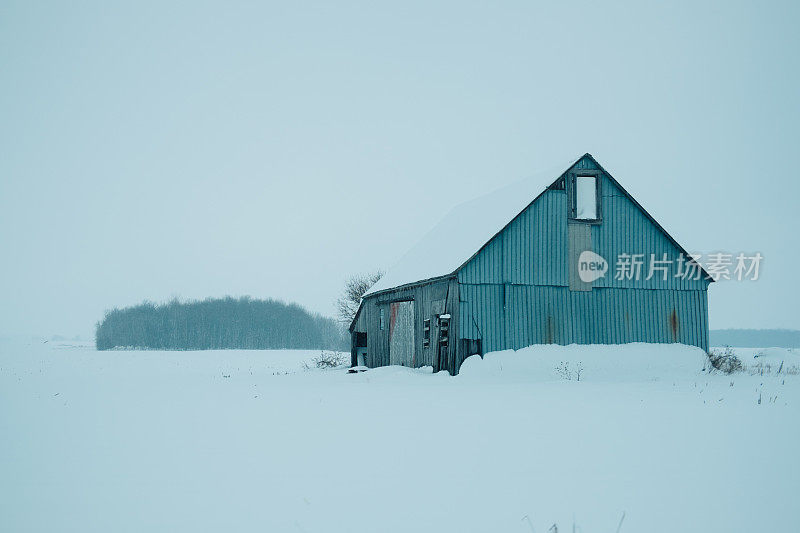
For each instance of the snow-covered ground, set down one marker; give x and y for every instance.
(251, 441)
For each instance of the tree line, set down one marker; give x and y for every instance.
(218, 323)
(756, 338)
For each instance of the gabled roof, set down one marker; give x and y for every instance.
(465, 230)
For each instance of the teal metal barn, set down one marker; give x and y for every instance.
(564, 257)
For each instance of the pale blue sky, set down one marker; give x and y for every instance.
(194, 149)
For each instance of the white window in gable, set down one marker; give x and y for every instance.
(586, 197)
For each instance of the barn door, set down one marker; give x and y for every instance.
(401, 333)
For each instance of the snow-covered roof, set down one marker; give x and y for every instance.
(465, 229)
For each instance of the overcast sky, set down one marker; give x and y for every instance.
(160, 150)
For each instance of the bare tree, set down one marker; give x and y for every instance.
(355, 287)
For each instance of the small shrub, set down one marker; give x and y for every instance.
(327, 359)
(569, 374)
(725, 361)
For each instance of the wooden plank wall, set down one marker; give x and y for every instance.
(424, 297)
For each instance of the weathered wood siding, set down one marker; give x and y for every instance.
(430, 299)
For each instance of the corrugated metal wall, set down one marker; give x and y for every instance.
(516, 290)
(533, 248)
(515, 316)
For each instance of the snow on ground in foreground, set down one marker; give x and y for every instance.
(250, 441)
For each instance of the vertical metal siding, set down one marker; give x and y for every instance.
(626, 229)
(533, 248)
(481, 315)
(517, 287)
(530, 251)
(546, 314)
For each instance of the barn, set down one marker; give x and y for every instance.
(566, 256)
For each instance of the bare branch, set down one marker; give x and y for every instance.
(355, 287)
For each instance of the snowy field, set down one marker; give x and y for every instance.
(251, 441)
